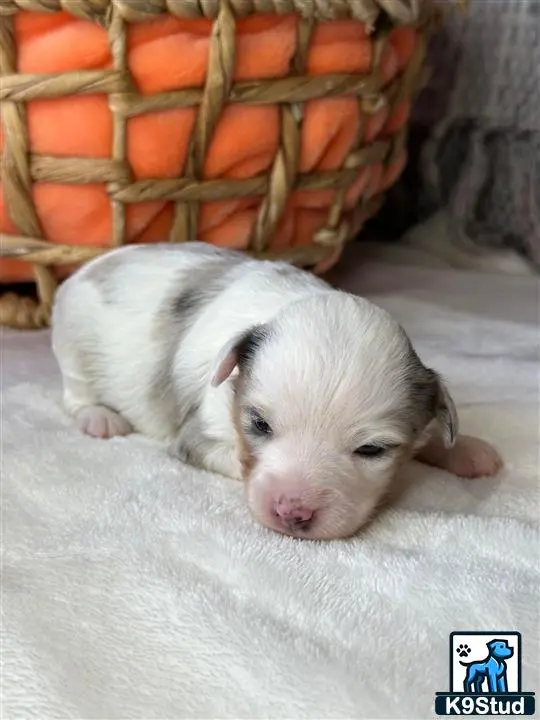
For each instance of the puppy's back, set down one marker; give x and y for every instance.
(124, 319)
(112, 322)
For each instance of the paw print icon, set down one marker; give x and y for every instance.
(463, 651)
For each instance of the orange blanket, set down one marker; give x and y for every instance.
(172, 54)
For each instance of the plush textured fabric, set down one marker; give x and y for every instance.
(172, 54)
(135, 587)
(481, 162)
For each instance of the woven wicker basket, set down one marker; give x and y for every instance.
(21, 168)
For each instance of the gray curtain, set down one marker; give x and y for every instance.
(475, 148)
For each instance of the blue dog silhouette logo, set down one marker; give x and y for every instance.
(485, 676)
(489, 674)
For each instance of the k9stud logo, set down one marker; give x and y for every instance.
(485, 676)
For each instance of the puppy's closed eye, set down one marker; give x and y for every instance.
(372, 450)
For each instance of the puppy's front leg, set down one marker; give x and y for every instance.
(469, 457)
(194, 447)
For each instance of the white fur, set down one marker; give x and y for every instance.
(333, 377)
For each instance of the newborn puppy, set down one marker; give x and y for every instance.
(255, 370)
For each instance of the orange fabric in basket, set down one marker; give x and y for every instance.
(167, 54)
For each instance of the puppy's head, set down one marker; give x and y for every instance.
(329, 400)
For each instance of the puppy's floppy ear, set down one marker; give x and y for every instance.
(238, 352)
(445, 412)
(432, 400)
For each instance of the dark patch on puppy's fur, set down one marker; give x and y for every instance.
(190, 293)
(200, 288)
(250, 345)
(429, 398)
(247, 458)
(187, 305)
(187, 301)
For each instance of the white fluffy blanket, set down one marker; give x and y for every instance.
(135, 587)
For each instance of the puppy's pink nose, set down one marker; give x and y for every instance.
(292, 513)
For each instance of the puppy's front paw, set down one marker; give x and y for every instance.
(470, 457)
(178, 451)
(101, 422)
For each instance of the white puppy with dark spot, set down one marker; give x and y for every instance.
(259, 371)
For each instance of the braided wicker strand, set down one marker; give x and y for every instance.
(219, 80)
(118, 44)
(285, 166)
(17, 182)
(335, 232)
(399, 11)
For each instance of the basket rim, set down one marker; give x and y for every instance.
(399, 12)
